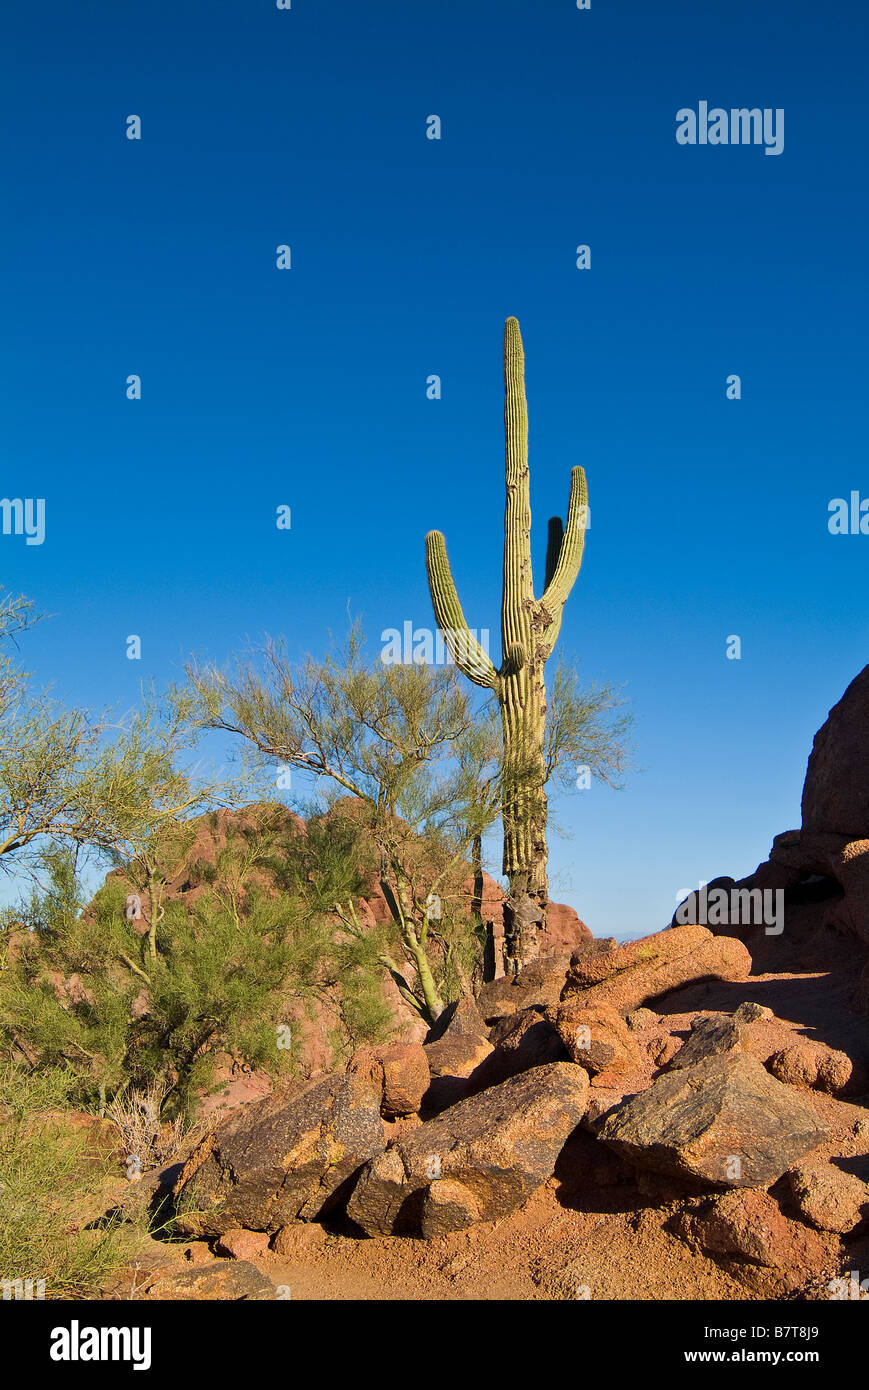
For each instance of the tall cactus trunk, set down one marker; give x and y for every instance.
(529, 629)
(524, 811)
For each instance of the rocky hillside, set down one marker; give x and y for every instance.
(232, 852)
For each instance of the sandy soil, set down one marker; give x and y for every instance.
(544, 1251)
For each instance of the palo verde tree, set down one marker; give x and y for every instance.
(419, 758)
(93, 784)
(529, 629)
(123, 1003)
(150, 798)
(51, 759)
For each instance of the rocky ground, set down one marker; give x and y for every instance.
(683, 1116)
(623, 1214)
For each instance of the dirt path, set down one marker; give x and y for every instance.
(544, 1251)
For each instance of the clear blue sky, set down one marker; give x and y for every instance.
(307, 387)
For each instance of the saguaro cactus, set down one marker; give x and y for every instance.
(529, 629)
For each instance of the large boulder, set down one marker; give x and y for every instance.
(401, 1070)
(842, 863)
(598, 1039)
(747, 1230)
(521, 1041)
(836, 790)
(812, 1065)
(461, 1018)
(564, 931)
(724, 1122)
(453, 1057)
(537, 986)
(826, 861)
(292, 1157)
(494, 1149)
(629, 975)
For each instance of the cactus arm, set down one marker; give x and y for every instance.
(463, 647)
(569, 557)
(518, 593)
(514, 660)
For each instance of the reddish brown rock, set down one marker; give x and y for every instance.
(538, 986)
(597, 1038)
(748, 1228)
(366, 1064)
(299, 1241)
(198, 1253)
(843, 863)
(813, 1066)
(565, 930)
(461, 1018)
(456, 1055)
(243, 1245)
(290, 1157)
(632, 974)
(521, 1041)
(455, 1046)
(722, 1123)
(232, 1281)
(828, 1197)
(491, 899)
(452, 1060)
(499, 1145)
(406, 1078)
(836, 789)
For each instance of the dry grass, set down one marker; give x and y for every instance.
(51, 1179)
(147, 1140)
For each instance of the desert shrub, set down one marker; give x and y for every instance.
(51, 1175)
(257, 945)
(80, 993)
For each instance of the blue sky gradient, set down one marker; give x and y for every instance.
(308, 387)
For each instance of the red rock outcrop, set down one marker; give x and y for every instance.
(836, 790)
